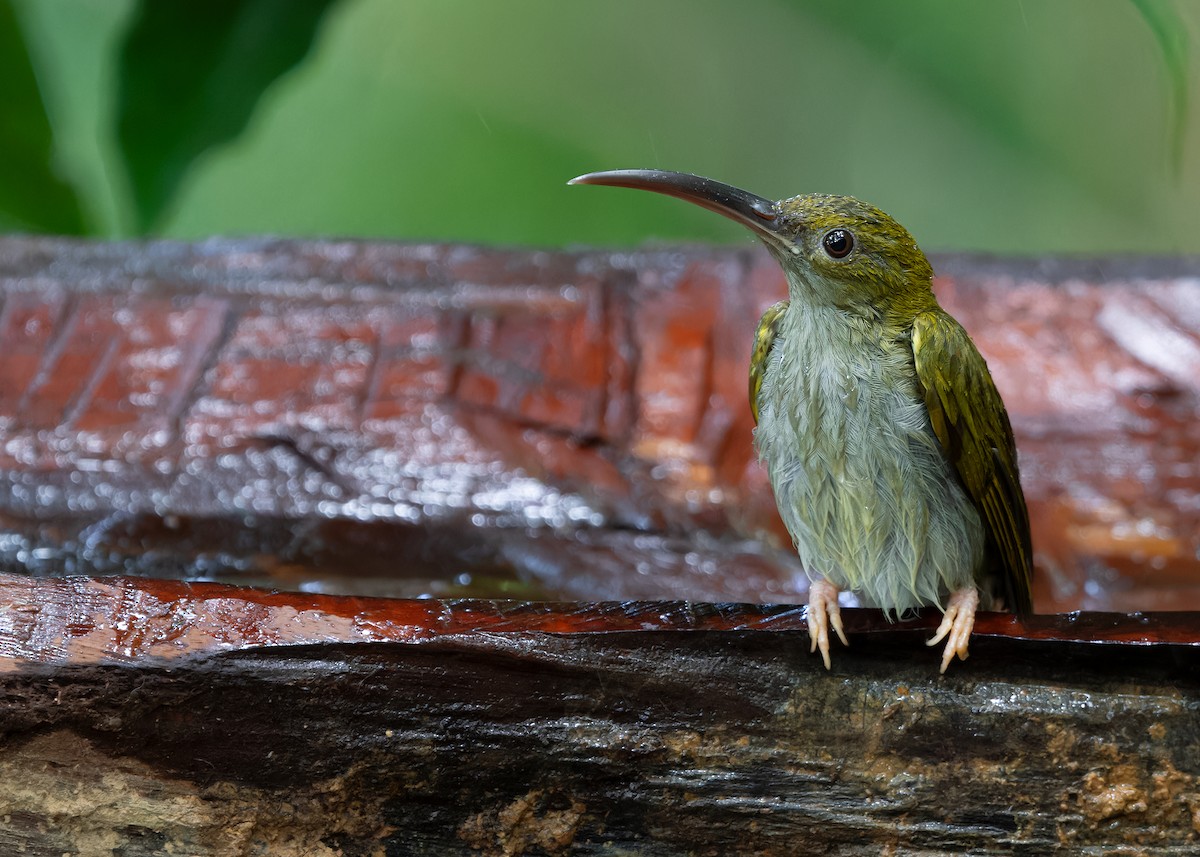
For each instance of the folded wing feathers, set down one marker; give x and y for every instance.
(981, 450)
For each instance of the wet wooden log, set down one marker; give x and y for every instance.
(441, 420)
(165, 717)
(468, 424)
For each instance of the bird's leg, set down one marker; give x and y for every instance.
(957, 622)
(823, 612)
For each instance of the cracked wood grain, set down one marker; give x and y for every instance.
(514, 415)
(553, 449)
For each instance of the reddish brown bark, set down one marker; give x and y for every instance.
(478, 425)
(449, 420)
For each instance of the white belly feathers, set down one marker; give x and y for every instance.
(860, 479)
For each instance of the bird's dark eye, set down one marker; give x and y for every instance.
(838, 243)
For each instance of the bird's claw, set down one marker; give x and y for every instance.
(823, 613)
(957, 624)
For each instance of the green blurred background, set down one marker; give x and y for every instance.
(1013, 126)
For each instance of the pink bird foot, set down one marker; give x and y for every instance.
(957, 622)
(824, 612)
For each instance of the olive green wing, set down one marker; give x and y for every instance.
(970, 421)
(764, 339)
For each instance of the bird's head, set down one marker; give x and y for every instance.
(834, 249)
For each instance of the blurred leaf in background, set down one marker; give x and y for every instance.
(980, 126)
(1171, 32)
(32, 195)
(190, 77)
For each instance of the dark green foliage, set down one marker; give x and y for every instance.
(115, 118)
(32, 196)
(191, 75)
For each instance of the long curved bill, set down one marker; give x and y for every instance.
(758, 214)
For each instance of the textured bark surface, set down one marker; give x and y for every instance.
(469, 424)
(442, 420)
(153, 717)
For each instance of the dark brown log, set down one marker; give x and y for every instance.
(473, 424)
(164, 717)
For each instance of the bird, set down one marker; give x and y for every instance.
(886, 443)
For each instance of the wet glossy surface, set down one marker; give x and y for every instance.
(201, 712)
(452, 421)
(555, 450)
(80, 620)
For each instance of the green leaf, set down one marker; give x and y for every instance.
(1068, 105)
(190, 77)
(1171, 34)
(32, 196)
